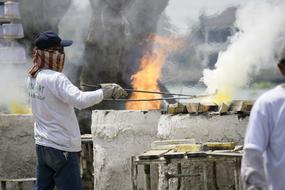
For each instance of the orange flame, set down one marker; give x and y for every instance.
(149, 73)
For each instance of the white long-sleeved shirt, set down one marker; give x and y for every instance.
(266, 135)
(53, 98)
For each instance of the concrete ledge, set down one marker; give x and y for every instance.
(117, 135)
(202, 128)
(17, 158)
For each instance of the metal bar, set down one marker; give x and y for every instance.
(152, 99)
(155, 92)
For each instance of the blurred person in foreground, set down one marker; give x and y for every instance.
(53, 99)
(263, 163)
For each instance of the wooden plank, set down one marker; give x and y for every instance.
(188, 147)
(208, 107)
(193, 108)
(171, 109)
(163, 147)
(224, 154)
(152, 154)
(201, 107)
(170, 144)
(181, 108)
(174, 154)
(195, 154)
(241, 106)
(176, 108)
(219, 145)
(223, 108)
(18, 180)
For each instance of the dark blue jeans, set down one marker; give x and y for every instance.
(57, 168)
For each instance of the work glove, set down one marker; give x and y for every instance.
(113, 91)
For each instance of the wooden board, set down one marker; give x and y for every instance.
(225, 154)
(219, 145)
(223, 108)
(241, 106)
(156, 145)
(152, 154)
(18, 180)
(193, 107)
(176, 108)
(188, 147)
(195, 154)
(172, 154)
(209, 107)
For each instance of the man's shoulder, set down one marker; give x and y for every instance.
(272, 95)
(50, 74)
(50, 78)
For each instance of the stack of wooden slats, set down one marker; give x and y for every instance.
(235, 107)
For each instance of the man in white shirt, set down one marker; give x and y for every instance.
(53, 98)
(263, 164)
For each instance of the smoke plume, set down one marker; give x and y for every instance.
(261, 34)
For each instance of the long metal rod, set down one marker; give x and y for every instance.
(159, 99)
(144, 91)
(151, 99)
(156, 92)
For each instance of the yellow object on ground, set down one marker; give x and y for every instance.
(188, 148)
(219, 145)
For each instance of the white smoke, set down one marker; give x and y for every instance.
(74, 25)
(81, 4)
(261, 33)
(13, 85)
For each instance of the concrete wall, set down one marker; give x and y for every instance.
(117, 135)
(202, 128)
(17, 157)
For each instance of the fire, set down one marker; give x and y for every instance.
(149, 73)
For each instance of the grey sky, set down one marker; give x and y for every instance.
(184, 12)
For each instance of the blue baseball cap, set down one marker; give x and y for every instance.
(50, 39)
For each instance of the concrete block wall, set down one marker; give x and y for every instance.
(17, 157)
(202, 128)
(118, 135)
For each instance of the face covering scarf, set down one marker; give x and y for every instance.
(47, 59)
